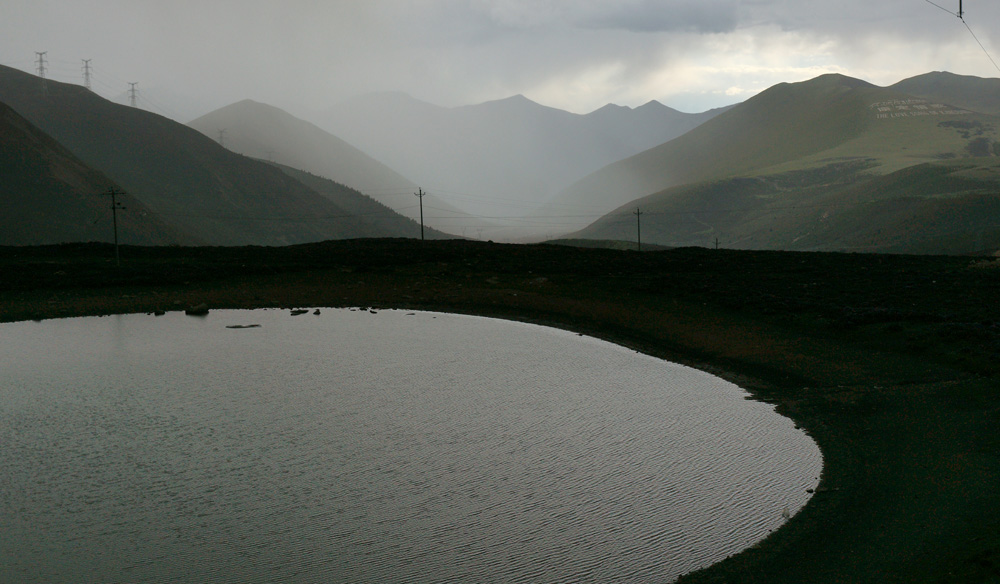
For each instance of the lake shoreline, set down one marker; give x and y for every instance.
(888, 362)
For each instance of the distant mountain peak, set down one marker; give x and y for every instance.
(966, 91)
(518, 100)
(249, 104)
(609, 108)
(653, 105)
(838, 79)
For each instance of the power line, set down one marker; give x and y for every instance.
(988, 56)
(961, 16)
(958, 14)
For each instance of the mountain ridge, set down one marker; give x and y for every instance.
(977, 94)
(883, 172)
(352, 167)
(781, 127)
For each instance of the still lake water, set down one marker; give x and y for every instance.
(373, 448)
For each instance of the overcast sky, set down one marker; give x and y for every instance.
(576, 55)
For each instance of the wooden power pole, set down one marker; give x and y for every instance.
(420, 195)
(638, 229)
(113, 192)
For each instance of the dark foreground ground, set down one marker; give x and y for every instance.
(891, 363)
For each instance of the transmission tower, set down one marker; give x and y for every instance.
(41, 70)
(132, 93)
(40, 67)
(86, 72)
(222, 137)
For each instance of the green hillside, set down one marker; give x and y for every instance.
(796, 126)
(948, 207)
(827, 164)
(965, 91)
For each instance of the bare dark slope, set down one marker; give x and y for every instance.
(47, 195)
(207, 192)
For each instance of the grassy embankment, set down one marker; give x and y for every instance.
(889, 362)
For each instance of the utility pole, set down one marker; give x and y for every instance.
(961, 13)
(420, 195)
(86, 72)
(41, 70)
(132, 92)
(113, 192)
(716, 243)
(638, 229)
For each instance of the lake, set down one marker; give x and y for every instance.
(374, 447)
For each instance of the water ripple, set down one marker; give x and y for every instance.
(348, 447)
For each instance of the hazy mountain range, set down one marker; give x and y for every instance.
(500, 158)
(485, 167)
(833, 163)
(266, 132)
